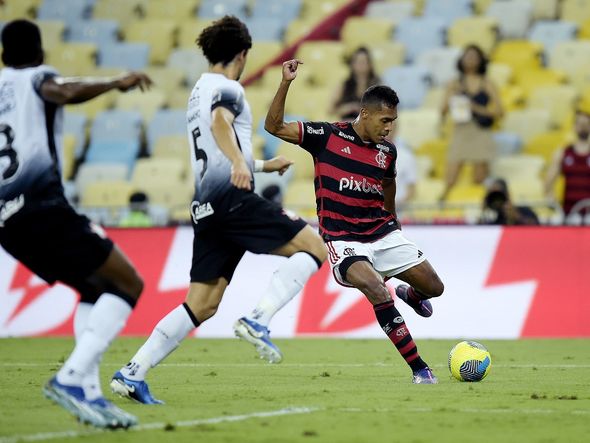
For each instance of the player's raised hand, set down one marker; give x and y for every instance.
(132, 80)
(241, 177)
(290, 69)
(279, 164)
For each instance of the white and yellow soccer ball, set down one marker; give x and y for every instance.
(469, 361)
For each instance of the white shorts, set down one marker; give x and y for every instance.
(390, 255)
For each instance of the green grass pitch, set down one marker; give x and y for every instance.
(326, 390)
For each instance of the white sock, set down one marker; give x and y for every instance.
(165, 338)
(286, 282)
(91, 381)
(105, 321)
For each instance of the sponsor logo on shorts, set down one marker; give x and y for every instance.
(199, 211)
(10, 207)
(360, 186)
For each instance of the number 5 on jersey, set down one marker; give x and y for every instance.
(200, 154)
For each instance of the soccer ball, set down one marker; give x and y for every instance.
(469, 361)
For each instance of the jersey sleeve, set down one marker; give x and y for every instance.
(230, 97)
(314, 136)
(44, 73)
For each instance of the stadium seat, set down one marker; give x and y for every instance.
(116, 125)
(133, 56)
(166, 122)
(122, 11)
(550, 33)
(448, 10)
(507, 143)
(75, 123)
(174, 146)
(177, 10)
(11, 10)
(529, 80)
(99, 172)
(113, 151)
(522, 166)
(189, 30)
(545, 9)
(72, 59)
(466, 194)
(311, 103)
(158, 170)
(434, 98)
(577, 11)
(93, 107)
(317, 10)
(146, 103)
(316, 55)
(285, 10)
(166, 78)
(441, 64)
(260, 55)
(500, 74)
(219, 8)
(546, 143)
(361, 31)
(569, 57)
(527, 123)
(428, 191)
(298, 29)
(260, 99)
(513, 16)
(418, 126)
(303, 167)
(99, 32)
(481, 31)
(68, 11)
(419, 34)
(410, 82)
(172, 196)
(266, 29)
(560, 100)
(191, 61)
(423, 166)
(108, 194)
(387, 54)
(526, 191)
(68, 158)
(392, 11)
(52, 32)
(158, 34)
(436, 150)
(300, 198)
(520, 55)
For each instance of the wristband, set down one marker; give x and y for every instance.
(258, 165)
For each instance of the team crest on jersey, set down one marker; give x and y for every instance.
(381, 160)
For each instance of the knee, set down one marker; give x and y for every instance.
(204, 311)
(133, 285)
(437, 288)
(375, 290)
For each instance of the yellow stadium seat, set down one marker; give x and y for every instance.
(273, 74)
(72, 59)
(584, 30)
(311, 103)
(165, 78)
(500, 73)
(466, 194)
(14, 9)
(428, 191)
(303, 167)
(93, 107)
(189, 30)
(520, 55)
(260, 55)
(124, 11)
(529, 80)
(482, 31)
(423, 166)
(560, 100)
(172, 196)
(577, 11)
(316, 56)
(434, 98)
(159, 34)
(436, 150)
(360, 31)
(177, 10)
(173, 146)
(300, 198)
(530, 190)
(158, 170)
(521, 166)
(387, 54)
(52, 32)
(580, 79)
(545, 9)
(107, 194)
(259, 100)
(418, 126)
(512, 97)
(258, 142)
(546, 144)
(570, 56)
(299, 29)
(146, 103)
(319, 9)
(68, 159)
(178, 98)
(527, 123)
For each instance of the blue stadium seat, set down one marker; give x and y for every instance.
(285, 10)
(271, 143)
(508, 143)
(113, 151)
(132, 56)
(75, 124)
(166, 122)
(266, 28)
(116, 125)
(101, 32)
(448, 10)
(69, 11)
(549, 33)
(219, 8)
(411, 84)
(420, 34)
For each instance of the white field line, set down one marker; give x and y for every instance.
(472, 411)
(46, 436)
(302, 365)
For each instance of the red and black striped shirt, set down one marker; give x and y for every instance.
(576, 171)
(348, 181)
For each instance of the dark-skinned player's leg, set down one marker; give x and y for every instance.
(363, 276)
(424, 283)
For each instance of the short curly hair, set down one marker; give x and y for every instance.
(224, 39)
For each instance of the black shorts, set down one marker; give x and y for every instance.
(56, 243)
(254, 224)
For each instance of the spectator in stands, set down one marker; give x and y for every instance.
(573, 162)
(347, 99)
(499, 210)
(138, 215)
(474, 105)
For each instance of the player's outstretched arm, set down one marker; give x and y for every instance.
(63, 91)
(278, 164)
(275, 118)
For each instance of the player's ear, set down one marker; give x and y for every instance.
(364, 113)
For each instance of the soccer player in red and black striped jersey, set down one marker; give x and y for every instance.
(355, 196)
(573, 163)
